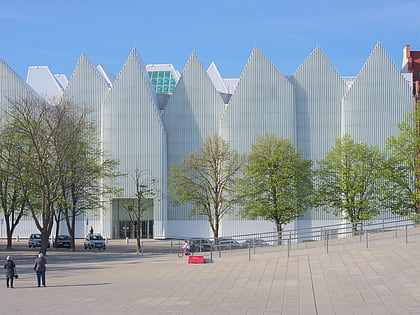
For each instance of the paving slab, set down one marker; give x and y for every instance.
(349, 279)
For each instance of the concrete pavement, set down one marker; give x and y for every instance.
(350, 279)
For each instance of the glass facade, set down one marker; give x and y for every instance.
(163, 81)
(123, 224)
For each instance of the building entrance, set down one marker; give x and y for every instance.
(127, 229)
(124, 218)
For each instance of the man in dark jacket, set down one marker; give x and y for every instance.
(40, 268)
(10, 266)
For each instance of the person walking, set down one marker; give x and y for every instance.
(40, 268)
(10, 266)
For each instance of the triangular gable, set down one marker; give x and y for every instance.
(12, 87)
(86, 88)
(319, 90)
(378, 71)
(379, 97)
(263, 102)
(193, 111)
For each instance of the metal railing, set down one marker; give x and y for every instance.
(295, 240)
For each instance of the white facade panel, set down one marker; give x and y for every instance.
(377, 102)
(192, 114)
(133, 132)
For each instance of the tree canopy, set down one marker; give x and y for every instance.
(276, 183)
(349, 180)
(402, 190)
(206, 179)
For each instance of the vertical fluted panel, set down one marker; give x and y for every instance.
(133, 132)
(192, 113)
(377, 102)
(12, 87)
(319, 91)
(263, 102)
(87, 89)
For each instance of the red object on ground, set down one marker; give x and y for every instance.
(196, 259)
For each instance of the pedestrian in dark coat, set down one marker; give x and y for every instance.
(10, 266)
(40, 269)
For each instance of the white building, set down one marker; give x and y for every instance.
(152, 116)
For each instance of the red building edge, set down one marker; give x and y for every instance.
(411, 64)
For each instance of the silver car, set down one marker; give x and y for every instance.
(94, 241)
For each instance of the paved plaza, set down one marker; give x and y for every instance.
(349, 279)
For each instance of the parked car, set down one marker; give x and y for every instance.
(228, 243)
(35, 241)
(256, 242)
(94, 241)
(201, 244)
(62, 241)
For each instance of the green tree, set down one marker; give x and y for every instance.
(85, 173)
(206, 180)
(402, 190)
(12, 193)
(62, 167)
(349, 180)
(277, 184)
(38, 125)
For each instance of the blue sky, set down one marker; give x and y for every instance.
(56, 33)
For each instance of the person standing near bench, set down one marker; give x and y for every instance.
(40, 269)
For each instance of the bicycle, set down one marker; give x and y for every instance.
(183, 252)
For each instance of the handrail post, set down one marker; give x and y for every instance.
(396, 232)
(367, 239)
(327, 235)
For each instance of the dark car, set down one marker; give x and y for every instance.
(94, 241)
(201, 244)
(62, 241)
(35, 241)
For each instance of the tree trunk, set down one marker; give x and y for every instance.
(354, 229)
(9, 232)
(138, 228)
(279, 233)
(9, 239)
(57, 228)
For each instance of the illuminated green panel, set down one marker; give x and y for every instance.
(162, 81)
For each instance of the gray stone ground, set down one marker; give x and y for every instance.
(349, 279)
